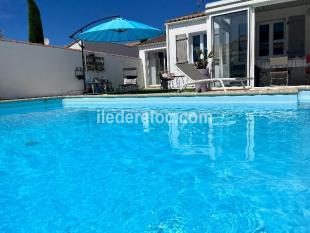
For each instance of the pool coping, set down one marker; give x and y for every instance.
(250, 92)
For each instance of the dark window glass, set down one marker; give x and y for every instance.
(278, 34)
(278, 48)
(278, 31)
(205, 45)
(243, 32)
(264, 40)
(196, 47)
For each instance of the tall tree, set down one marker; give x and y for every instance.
(35, 24)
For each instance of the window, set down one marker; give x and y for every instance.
(243, 40)
(205, 44)
(264, 40)
(272, 39)
(196, 47)
(198, 43)
(278, 38)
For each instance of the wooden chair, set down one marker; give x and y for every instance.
(279, 72)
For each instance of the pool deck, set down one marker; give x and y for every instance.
(219, 92)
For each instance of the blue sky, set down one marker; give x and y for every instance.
(62, 17)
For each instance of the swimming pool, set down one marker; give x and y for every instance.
(152, 165)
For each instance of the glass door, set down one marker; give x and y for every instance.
(230, 45)
(152, 69)
(156, 64)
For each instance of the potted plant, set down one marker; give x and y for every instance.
(202, 62)
(202, 66)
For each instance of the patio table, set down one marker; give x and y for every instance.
(165, 81)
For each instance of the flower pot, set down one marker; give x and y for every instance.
(203, 87)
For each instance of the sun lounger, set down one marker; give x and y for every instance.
(196, 77)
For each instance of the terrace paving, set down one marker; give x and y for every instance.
(215, 92)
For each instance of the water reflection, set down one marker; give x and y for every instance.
(220, 134)
(250, 154)
(216, 134)
(174, 132)
(211, 139)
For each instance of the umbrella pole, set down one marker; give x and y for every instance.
(82, 44)
(84, 70)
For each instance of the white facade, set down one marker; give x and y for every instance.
(262, 12)
(189, 28)
(148, 54)
(30, 70)
(234, 33)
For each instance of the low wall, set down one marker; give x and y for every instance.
(29, 70)
(32, 70)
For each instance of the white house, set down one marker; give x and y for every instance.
(153, 54)
(243, 34)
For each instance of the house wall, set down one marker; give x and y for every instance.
(187, 27)
(28, 70)
(298, 75)
(285, 13)
(114, 65)
(110, 48)
(143, 51)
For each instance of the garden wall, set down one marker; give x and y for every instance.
(31, 70)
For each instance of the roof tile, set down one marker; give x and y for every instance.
(187, 17)
(157, 40)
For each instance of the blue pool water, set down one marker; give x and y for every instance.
(246, 168)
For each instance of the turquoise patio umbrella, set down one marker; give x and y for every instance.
(119, 30)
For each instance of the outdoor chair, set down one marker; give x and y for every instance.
(130, 80)
(98, 86)
(279, 72)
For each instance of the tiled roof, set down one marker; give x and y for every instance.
(187, 17)
(157, 40)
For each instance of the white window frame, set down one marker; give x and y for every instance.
(271, 40)
(250, 53)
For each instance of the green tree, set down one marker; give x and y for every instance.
(35, 24)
